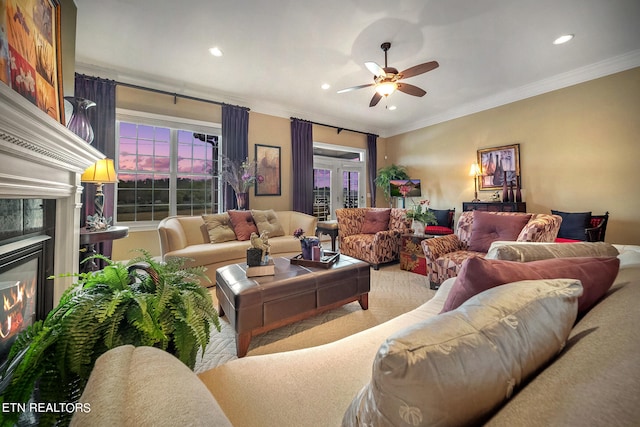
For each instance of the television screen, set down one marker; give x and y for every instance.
(405, 188)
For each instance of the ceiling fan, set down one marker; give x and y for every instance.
(386, 79)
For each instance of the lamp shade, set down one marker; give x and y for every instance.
(474, 170)
(102, 172)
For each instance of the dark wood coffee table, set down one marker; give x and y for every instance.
(259, 304)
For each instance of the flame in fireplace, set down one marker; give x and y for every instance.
(15, 297)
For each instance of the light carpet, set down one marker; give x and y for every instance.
(393, 292)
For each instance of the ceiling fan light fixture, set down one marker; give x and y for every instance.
(386, 88)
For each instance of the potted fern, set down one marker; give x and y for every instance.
(142, 302)
(386, 175)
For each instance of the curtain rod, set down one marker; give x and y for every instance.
(176, 95)
(339, 129)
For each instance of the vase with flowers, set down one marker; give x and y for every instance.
(240, 176)
(306, 243)
(421, 216)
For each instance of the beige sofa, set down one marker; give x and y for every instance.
(188, 237)
(594, 381)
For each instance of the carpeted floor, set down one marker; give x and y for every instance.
(393, 292)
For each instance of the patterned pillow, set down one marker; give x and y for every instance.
(376, 220)
(219, 227)
(458, 367)
(267, 221)
(488, 227)
(479, 274)
(243, 224)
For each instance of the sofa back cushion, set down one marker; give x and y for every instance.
(479, 274)
(268, 221)
(243, 224)
(375, 219)
(489, 227)
(458, 367)
(219, 227)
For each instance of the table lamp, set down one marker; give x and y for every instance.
(100, 173)
(474, 171)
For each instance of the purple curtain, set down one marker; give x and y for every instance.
(103, 122)
(235, 145)
(302, 157)
(372, 165)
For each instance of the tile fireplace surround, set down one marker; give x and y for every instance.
(40, 158)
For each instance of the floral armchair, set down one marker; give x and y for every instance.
(364, 233)
(445, 254)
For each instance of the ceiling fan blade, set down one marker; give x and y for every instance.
(375, 69)
(349, 89)
(411, 89)
(419, 69)
(376, 98)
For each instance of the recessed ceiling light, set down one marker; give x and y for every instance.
(325, 86)
(392, 107)
(563, 39)
(215, 51)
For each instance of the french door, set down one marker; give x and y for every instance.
(337, 183)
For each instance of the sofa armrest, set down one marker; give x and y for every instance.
(438, 246)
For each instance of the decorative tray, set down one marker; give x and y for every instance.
(326, 261)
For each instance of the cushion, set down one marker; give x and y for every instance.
(268, 221)
(458, 367)
(375, 220)
(479, 274)
(442, 216)
(488, 227)
(525, 252)
(219, 227)
(243, 224)
(437, 229)
(573, 224)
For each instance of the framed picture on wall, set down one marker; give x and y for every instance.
(30, 56)
(268, 170)
(494, 162)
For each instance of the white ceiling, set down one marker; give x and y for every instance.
(277, 53)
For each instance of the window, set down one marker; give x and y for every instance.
(165, 168)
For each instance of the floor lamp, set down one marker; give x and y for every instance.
(100, 173)
(474, 171)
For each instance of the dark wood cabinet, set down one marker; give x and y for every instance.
(495, 206)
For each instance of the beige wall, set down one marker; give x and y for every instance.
(579, 151)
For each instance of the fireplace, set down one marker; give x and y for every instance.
(26, 295)
(41, 161)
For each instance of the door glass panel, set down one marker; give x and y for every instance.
(322, 194)
(350, 189)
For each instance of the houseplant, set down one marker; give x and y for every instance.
(142, 302)
(386, 175)
(240, 176)
(421, 216)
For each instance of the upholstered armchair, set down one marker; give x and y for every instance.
(372, 234)
(475, 232)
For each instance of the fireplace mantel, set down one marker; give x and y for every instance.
(40, 158)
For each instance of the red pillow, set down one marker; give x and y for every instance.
(488, 227)
(376, 220)
(243, 224)
(478, 274)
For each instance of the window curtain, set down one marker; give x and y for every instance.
(302, 157)
(235, 145)
(103, 122)
(372, 165)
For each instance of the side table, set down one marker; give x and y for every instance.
(411, 254)
(89, 239)
(330, 228)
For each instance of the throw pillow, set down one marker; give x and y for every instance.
(375, 220)
(534, 251)
(458, 367)
(488, 227)
(243, 224)
(478, 274)
(219, 227)
(573, 224)
(442, 216)
(267, 221)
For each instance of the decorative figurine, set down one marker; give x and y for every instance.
(262, 243)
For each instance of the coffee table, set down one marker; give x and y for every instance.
(254, 305)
